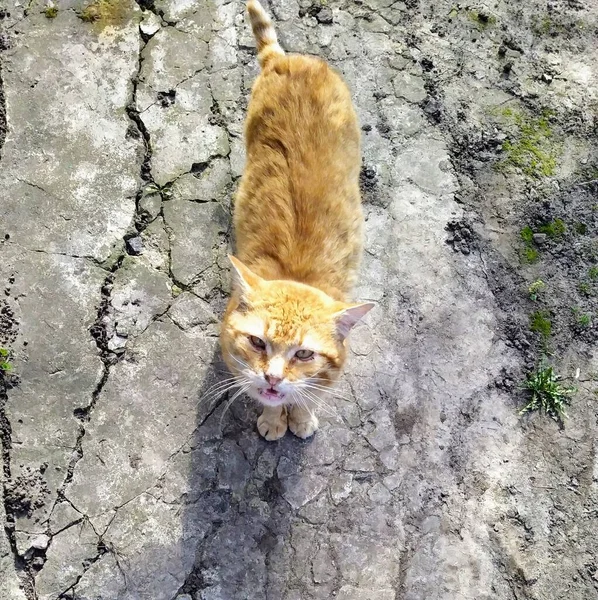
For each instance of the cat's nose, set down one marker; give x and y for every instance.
(272, 380)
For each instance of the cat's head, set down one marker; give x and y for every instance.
(283, 339)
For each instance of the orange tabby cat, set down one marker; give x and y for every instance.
(298, 225)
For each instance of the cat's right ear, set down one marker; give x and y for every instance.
(244, 280)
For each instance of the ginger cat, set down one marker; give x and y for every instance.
(298, 229)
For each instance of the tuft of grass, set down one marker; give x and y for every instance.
(581, 228)
(584, 320)
(90, 14)
(529, 255)
(535, 289)
(531, 149)
(51, 11)
(104, 13)
(543, 26)
(585, 288)
(527, 235)
(593, 273)
(5, 365)
(481, 19)
(547, 395)
(539, 322)
(553, 229)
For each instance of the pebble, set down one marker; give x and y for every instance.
(150, 24)
(539, 238)
(324, 15)
(41, 542)
(134, 246)
(463, 247)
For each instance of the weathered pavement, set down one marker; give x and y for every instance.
(123, 146)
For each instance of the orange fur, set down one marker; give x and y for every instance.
(298, 229)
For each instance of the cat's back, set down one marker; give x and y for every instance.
(298, 209)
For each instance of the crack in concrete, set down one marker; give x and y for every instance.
(98, 330)
(150, 6)
(22, 568)
(3, 121)
(91, 259)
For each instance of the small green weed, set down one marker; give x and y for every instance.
(585, 288)
(584, 320)
(581, 228)
(5, 365)
(541, 26)
(529, 254)
(51, 11)
(104, 13)
(547, 394)
(481, 19)
(539, 322)
(527, 235)
(535, 289)
(593, 273)
(554, 229)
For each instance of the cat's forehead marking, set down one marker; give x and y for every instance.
(310, 342)
(289, 334)
(250, 324)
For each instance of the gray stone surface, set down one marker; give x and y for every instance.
(11, 589)
(125, 477)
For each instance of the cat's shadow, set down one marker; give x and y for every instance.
(237, 508)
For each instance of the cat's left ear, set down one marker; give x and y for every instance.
(348, 318)
(244, 280)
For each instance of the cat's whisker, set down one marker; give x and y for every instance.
(322, 403)
(215, 393)
(302, 401)
(317, 395)
(329, 410)
(230, 402)
(324, 409)
(330, 391)
(240, 362)
(221, 382)
(219, 387)
(326, 385)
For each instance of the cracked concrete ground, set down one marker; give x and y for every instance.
(122, 146)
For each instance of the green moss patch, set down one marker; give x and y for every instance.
(105, 13)
(530, 148)
(482, 19)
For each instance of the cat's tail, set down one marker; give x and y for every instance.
(268, 47)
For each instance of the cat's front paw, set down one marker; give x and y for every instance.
(302, 423)
(272, 427)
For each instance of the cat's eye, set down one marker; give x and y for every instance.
(304, 354)
(257, 342)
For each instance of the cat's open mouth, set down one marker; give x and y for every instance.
(272, 395)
